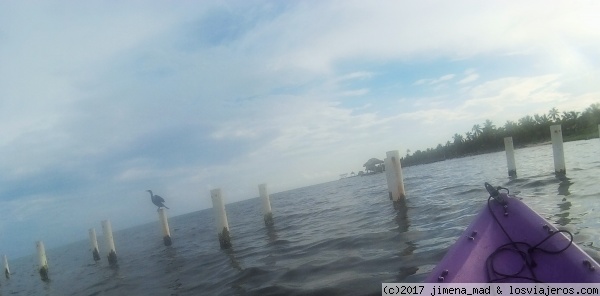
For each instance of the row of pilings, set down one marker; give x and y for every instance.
(558, 152)
(220, 217)
(396, 192)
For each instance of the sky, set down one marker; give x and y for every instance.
(102, 100)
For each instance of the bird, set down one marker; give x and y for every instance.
(157, 200)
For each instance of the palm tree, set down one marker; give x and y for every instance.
(510, 126)
(572, 115)
(554, 115)
(488, 126)
(526, 121)
(469, 136)
(591, 115)
(543, 120)
(570, 121)
(476, 130)
(458, 138)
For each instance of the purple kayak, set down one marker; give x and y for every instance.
(509, 242)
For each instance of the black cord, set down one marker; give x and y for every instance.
(528, 263)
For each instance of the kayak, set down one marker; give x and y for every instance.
(508, 242)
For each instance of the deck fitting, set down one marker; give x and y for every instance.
(441, 277)
(473, 234)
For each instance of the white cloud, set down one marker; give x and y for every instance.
(435, 80)
(110, 99)
(354, 92)
(316, 36)
(354, 76)
(470, 78)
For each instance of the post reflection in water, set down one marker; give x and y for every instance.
(408, 267)
(233, 262)
(402, 215)
(563, 186)
(564, 205)
(271, 233)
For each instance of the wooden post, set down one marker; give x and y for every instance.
(94, 244)
(557, 150)
(6, 269)
(396, 178)
(162, 216)
(43, 261)
(510, 156)
(220, 218)
(110, 243)
(266, 204)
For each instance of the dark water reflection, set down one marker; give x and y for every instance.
(563, 186)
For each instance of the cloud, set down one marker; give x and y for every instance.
(346, 32)
(469, 78)
(354, 76)
(435, 80)
(354, 93)
(102, 101)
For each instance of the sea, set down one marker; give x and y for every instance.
(338, 238)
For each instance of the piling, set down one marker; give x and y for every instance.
(43, 270)
(110, 243)
(388, 169)
(397, 181)
(557, 150)
(6, 269)
(221, 218)
(94, 244)
(510, 156)
(266, 204)
(162, 216)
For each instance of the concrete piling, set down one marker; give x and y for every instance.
(266, 204)
(162, 216)
(510, 156)
(43, 262)
(6, 269)
(221, 218)
(110, 243)
(388, 175)
(94, 244)
(397, 181)
(557, 150)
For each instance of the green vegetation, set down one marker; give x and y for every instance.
(528, 130)
(374, 165)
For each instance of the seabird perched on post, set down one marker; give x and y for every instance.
(157, 200)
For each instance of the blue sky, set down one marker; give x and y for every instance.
(100, 101)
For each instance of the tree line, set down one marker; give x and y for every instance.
(527, 130)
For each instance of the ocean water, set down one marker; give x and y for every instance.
(336, 238)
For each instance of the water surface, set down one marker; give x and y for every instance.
(336, 238)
